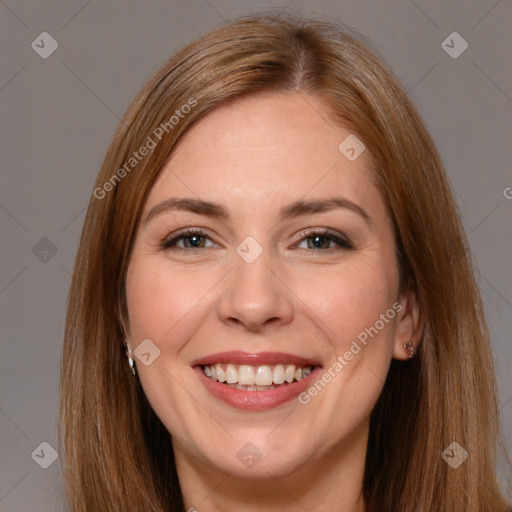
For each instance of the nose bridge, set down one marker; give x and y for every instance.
(253, 294)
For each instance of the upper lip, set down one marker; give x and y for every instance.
(254, 359)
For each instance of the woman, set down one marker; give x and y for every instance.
(272, 240)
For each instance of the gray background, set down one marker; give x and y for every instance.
(58, 115)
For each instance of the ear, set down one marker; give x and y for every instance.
(409, 324)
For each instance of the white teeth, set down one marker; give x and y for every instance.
(246, 375)
(305, 372)
(256, 378)
(263, 376)
(278, 376)
(231, 374)
(220, 373)
(290, 373)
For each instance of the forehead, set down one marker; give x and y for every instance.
(262, 149)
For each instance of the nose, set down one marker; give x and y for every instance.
(255, 296)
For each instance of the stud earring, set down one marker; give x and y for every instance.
(131, 362)
(409, 348)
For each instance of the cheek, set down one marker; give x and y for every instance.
(163, 306)
(351, 300)
(160, 298)
(356, 306)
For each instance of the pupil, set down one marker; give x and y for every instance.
(318, 239)
(195, 240)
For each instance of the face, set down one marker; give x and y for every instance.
(272, 321)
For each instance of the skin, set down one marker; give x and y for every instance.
(254, 156)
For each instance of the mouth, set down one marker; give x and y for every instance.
(255, 381)
(256, 378)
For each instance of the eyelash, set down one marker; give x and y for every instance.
(168, 244)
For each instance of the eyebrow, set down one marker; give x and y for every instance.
(292, 210)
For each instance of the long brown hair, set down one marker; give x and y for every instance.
(117, 454)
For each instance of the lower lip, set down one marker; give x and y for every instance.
(255, 400)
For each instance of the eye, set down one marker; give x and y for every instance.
(322, 240)
(196, 239)
(192, 239)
